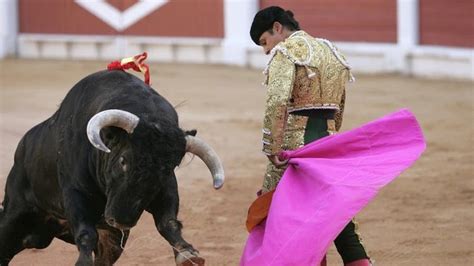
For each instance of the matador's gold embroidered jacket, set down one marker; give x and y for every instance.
(303, 73)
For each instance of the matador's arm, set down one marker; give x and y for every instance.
(281, 75)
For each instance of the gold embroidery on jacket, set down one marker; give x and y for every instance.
(281, 76)
(293, 139)
(340, 113)
(304, 73)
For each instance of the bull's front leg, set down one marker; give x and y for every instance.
(164, 209)
(82, 220)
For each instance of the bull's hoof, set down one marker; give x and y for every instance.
(196, 261)
(188, 258)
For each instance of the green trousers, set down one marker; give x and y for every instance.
(348, 242)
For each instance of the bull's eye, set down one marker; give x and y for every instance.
(109, 135)
(123, 164)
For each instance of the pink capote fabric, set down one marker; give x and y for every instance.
(326, 184)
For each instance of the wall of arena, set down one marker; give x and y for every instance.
(432, 38)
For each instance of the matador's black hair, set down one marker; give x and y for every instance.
(265, 18)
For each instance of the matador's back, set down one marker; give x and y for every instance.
(304, 74)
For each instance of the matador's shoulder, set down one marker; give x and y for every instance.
(297, 48)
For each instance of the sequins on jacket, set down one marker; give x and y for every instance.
(303, 73)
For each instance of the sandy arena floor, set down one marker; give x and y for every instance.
(425, 217)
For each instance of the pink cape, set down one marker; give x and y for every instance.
(327, 183)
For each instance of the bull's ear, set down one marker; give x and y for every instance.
(192, 132)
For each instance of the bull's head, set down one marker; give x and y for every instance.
(138, 162)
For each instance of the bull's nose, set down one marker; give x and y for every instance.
(112, 222)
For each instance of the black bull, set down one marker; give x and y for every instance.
(86, 174)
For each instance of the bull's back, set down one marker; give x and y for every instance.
(112, 90)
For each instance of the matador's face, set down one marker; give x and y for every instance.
(272, 37)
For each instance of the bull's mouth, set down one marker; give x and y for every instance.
(112, 222)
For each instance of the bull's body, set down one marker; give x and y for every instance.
(62, 186)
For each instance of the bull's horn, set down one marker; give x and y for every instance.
(208, 156)
(112, 117)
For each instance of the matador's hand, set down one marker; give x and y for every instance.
(276, 161)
